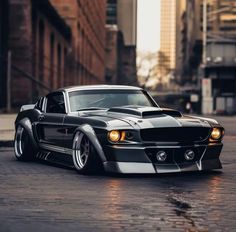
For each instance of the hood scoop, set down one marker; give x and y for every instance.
(144, 112)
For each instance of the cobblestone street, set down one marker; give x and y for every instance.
(41, 197)
(90, 89)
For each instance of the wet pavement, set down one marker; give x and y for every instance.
(41, 197)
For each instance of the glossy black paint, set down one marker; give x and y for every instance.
(154, 129)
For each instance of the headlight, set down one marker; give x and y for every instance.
(116, 136)
(216, 133)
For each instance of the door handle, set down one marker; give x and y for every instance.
(41, 117)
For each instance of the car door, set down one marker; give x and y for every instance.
(50, 122)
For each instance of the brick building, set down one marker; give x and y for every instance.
(87, 23)
(38, 39)
(3, 49)
(53, 43)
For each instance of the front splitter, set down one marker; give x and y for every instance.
(149, 168)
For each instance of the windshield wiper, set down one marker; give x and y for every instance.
(91, 108)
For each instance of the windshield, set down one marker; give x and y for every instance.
(95, 99)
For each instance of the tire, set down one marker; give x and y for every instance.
(24, 150)
(85, 157)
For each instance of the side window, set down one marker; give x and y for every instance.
(55, 103)
(39, 104)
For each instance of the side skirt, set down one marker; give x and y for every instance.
(55, 155)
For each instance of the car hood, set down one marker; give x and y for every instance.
(147, 117)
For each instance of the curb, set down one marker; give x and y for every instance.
(6, 143)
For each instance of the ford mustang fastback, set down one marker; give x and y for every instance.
(118, 129)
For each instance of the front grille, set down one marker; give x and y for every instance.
(176, 134)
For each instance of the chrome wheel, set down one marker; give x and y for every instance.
(19, 143)
(81, 150)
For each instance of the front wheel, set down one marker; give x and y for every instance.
(85, 157)
(24, 150)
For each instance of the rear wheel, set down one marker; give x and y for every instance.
(24, 150)
(85, 157)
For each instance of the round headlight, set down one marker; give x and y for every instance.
(114, 136)
(216, 133)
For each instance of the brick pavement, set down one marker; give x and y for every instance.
(42, 197)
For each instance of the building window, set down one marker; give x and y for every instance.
(111, 12)
(59, 65)
(3, 49)
(52, 63)
(65, 66)
(41, 50)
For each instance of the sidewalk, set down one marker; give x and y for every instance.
(7, 129)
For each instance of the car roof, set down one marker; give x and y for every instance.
(95, 87)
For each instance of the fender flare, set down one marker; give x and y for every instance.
(90, 133)
(26, 124)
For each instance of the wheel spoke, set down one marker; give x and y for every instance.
(81, 150)
(86, 158)
(82, 155)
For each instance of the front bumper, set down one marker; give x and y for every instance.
(137, 159)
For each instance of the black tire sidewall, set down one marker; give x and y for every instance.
(93, 164)
(28, 151)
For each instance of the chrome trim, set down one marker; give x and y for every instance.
(18, 141)
(179, 169)
(164, 168)
(81, 149)
(199, 165)
(68, 151)
(42, 155)
(95, 87)
(129, 167)
(56, 148)
(67, 102)
(117, 146)
(46, 157)
(44, 107)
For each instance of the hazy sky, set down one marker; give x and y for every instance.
(148, 25)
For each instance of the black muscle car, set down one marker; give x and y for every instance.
(116, 129)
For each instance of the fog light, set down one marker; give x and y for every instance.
(161, 156)
(189, 155)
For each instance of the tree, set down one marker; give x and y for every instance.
(163, 64)
(146, 66)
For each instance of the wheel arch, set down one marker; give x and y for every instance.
(90, 133)
(27, 125)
